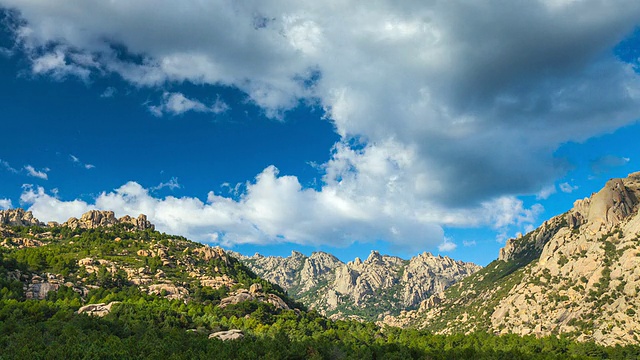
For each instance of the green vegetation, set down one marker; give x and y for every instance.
(143, 325)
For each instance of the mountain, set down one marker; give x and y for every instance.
(578, 274)
(100, 250)
(114, 288)
(364, 290)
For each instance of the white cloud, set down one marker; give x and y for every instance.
(468, 243)
(276, 208)
(109, 92)
(474, 89)
(55, 64)
(565, 187)
(177, 103)
(41, 174)
(8, 167)
(171, 184)
(76, 160)
(49, 208)
(447, 245)
(457, 107)
(545, 192)
(5, 204)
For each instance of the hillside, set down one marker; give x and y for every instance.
(100, 251)
(365, 290)
(101, 287)
(576, 275)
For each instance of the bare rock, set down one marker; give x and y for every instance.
(99, 310)
(208, 253)
(227, 335)
(243, 295)
(18, 217)
(39, 290)
(170, 291)
(255, 288)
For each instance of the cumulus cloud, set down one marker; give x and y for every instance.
(446, 110)
(5, 204)
(177, 103)
(50, 208)
(41, 174)
(56, 64)
(276, 208)
(447, 245)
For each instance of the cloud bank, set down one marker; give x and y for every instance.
(276, 208)
(446, 110)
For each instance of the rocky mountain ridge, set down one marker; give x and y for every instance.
(369, 289)
(99, 249)
(578, 274)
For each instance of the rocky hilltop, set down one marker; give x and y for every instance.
(18, 217)
(123, 252)
(97, 218)
(578, 274)
(369, 289)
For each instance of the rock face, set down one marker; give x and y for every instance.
(577, 274)
(99, 310)
(253, 294)
(99, 218)
(366, 289)
(227, 335)
(18, 217)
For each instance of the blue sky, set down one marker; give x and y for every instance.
(275, 126)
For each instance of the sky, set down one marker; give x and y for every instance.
(338, 126)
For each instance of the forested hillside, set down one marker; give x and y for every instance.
(115, 291)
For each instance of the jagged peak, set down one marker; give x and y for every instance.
(374, 256)
(597, 214)
(106, 218)
(323, 255)
(18, 217)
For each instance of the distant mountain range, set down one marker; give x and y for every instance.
(364, 290)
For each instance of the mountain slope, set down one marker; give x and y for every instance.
(369, 289)
(578, 274)
(100, 251)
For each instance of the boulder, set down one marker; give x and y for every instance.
(98, 310)
(227, 335)
(18, 217)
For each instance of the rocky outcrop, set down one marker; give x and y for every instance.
(253, 294)
(207, 253)
(530, 246)
(578, 274)
(336, 289)
(227, 335)
(99, 310)
(607, 208)
(18, 217)
(168, 290)
(101, 218)
(140, 223)
(20, 243)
